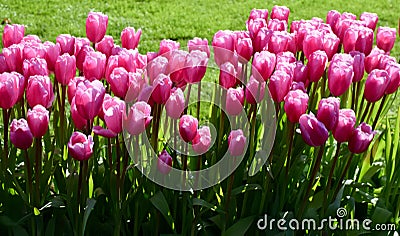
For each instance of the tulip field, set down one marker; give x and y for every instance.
(273, 121)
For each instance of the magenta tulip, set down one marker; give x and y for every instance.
(175, 104)
(234, 101)
(332, 18)
(345, 125)
(261, 39)
(279, 85)
(340, 76)
(106, 45)
(372, 61)
(20, 134)
(361, 138)
(316, 65)
(176, 66)
(313, 41)
(296, 104)
(375, 85)
(365, 40)
(188, 127)
(89, 98)
(156, 67)
(81, 56)
(195, 66)
(130, 38)
(280, 13)
(35, 66)
(65, 69)
(80, 146)
(370, 19)
(38, 120)
(22, 82)
(52, 53)
(113, 110)
(201, 143)
(33, 50)
(161, 89)
(258, 13)
(254, 91)
(79, 44)
(127, 59)
(66, 43)
(79, 122)
(94, 66)
(300, 73)
(280, 41)
(236, 143)
(328, 112)
(9, 90)
(277, 25)
(119, 81)
(358, 65)
(96, 26)
(39, 91)
(331, 44)
(72, 87)
(263, 65)
(227, 75)
(166, 46)
(199, 44)
(385, 38)
(244, 48)
(164, 162)
(12, 34)
(138, 118)
(313, 131)
(224, 46)
(14, 57)
(3, 64)
(393, 70)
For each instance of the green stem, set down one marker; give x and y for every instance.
(28, 169)
(379, 112)
(38, 168)
(290, 145)
(6, 118)
(365, 112)
(328, 185)
(198, 100)
(343, 175)
(62, 115)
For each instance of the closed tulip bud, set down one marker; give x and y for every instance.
(38, 120)
(199, 44)
(52, 53)
(89, 98)
(332, 18)
(161, 89)
(80, 146)
(106, 45)
(156, 67)
(316, 65)
(393, 70)
(119, 81)
(79, 122)
(255, 25)
(285, 57)
(14, 57)
(72, 87)
(261, 39)
(94, 65)
(33, 50)
(201, 143)
(331, 44)
(127, 59)
(130, 38)
(258, 13)
(340, 76)
(35, 66)
(176, 66)
(254, 91)
(244, 48)
(195, 66)
(31, 38)
(236, 143)
(20, 134)
(370, 19)
(328, 112)
(96, 26)
(365, 40)
(312, 42)
(313, 131)
(22, 82)
(361, 138)
(280, 13)
(227, 75)
(79, 44)
(224, 46)
(164, 162)
(296, 104)
(372, 61)
(345, 125)
(277, 25)
(385, 38)
(263, 65)
(358, 65)
(138, 118)
(66, 43)
(65, 69)
(12, 34)
(385, 60)
(188, 128)
(300, 73)
(175, 104)
(279, 85)
(9, 90)
(113, 110)
(81, 56)
(375, 85)
(349, 39)
(39, 91)
(234, 101)
(166, 46)
(279, 42)
(298, 86)
(3, 64)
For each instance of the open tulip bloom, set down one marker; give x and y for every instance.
(200, 140)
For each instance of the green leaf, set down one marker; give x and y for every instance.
(201, 202)
(245, 188)
(51, 227)
(240, 227)
(159, 202)
(376, 166)
(36, 211)
(88, 209)
(381, 215)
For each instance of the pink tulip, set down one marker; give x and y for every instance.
(13, 56)
(106, 45)
(81, 56)
(12, 34)
(298, 86)
(361, 138)
(393, 70)
(365, 40)
(66, 43)
(79, 122)
(373, 59)
(227, 75)
(375, 85)
(201, 143)
(136, 84)
(138, 118)
(385, 38)
(263, 65)
(52, 53)
(127, 59)
(113, 110)
(328, 112)
(31, 38)
(370, 19)
(130, 38)
(224, 46)
(258, 13)
(345, 125)
(313, 131)
(39, 91)
(20, 134)
(332, 18)
(94, 65)
(330, 44)
(145, 95)
(38, 120)
(89, 98)
(255, 25)
(236, 143)
(80, 146)
(161, 89)
(358, 65)
(167, 46)
(296, 103)
(175, 104)
(176, 66)
(9, 90)
(33, 50)
(106, 133)
(79, 44)
(385, 60)
(300, 73)
(254, 91)
(65, 69)
(234, 101)
(22, 82)
(188, 127)
(244, 48)
(349, 39)
(164, 162)
(3, 64)
(285, 57)
(277, 25)
(195, 66)
(260, 41)
(281, 41)
(96, 26)
(72, 87)
(34, 66)
(279, 85)
(316, 65)
(312, 42)
(280, 13)
(340, 76)
(199, 44)
(119, 81)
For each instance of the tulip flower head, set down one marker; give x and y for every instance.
(188, 127)
(80, 146)
(345, 125)
(12, 34)
(9, 90)
(234, 101)
(89, 98)
(236, 143)
(65, 68)
(202, 141)
(138, 118)
(313, 131)
(164, 162)
(38, 120)
(39, 91)
(361, 138)
(96, 26)
(328, 112)
(20, 134)
(200, 45)
(175, 104)
(130, 37)
(296, 104)
(375, 85)
(385, 38)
